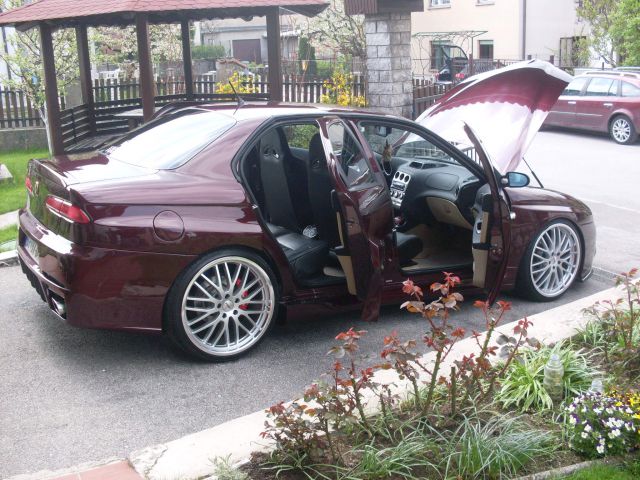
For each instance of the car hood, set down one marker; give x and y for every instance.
(505, 107)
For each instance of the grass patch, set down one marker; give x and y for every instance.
(8, 234)
(607, 472)
(13, 194)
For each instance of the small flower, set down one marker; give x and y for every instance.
(600, 449)
(588, 428)
(584, 435)
(614, 433)
(573, 420)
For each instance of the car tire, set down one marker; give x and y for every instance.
(222, 305)
(622, 131)
(551, 262)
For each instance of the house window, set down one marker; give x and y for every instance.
(485, 48)
(440, 3)
(570, 51)
(485, 2)
(440, 52)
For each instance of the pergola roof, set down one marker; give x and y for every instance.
(122, 12)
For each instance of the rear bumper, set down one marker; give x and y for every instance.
(95, 287)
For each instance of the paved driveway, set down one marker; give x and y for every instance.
(70, 395)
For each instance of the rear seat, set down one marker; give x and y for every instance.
(307, 256)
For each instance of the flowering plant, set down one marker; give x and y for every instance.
(599, 425)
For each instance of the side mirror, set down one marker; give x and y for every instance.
(515, 180)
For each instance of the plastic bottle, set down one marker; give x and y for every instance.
(597, 386)
(554, 378)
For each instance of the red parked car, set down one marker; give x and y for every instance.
(607, 102)
(207, 221)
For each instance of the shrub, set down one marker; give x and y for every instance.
(600, 425)
(522, 385)
(340, 91)
(241, 83)
(500, 446)
(208, 52)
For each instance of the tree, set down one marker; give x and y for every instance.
(338, 31)
(599, 16)
(25, 63)
(626, 30)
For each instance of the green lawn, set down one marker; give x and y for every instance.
(630, 471)
(13, 195)
(7, 234)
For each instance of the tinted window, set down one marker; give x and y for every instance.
(170, 141)
(629, 90)
(352, 161)
(599, 87)
(575, 87)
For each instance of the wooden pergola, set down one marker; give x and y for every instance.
(49, 15)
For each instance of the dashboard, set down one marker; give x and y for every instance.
(431, 190)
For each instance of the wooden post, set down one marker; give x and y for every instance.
(187, 60)
(147, 91)
(84, 61)
(51, 90)
(274, 55)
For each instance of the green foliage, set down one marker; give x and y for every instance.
(224, 470)
(497, 447)
(14, 195)
(522, 386)
(208, 52)
(626, 31)
(299, 136)
(8, 234)
(599, 16)
(336, 30)
(307, 55)
(608, 472)
(598, 425)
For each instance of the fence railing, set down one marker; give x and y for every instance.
(425, 94)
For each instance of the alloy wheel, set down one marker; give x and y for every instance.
(228, 306)
(621, 130)
(555, 260)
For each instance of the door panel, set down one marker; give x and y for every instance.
(563, 113)
(492, 228)
(594, 108)
(362, 197)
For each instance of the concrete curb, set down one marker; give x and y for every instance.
(9, 259)
(191, 456)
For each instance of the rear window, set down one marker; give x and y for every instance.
(602, 87)
(170, 141)
(629, 90)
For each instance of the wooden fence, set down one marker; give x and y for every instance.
(425, 94)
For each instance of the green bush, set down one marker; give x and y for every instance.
(495, 448)
(208, 52)
(522, 386)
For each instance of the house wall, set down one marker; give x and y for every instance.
(501, 19)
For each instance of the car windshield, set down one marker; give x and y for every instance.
(170, 141)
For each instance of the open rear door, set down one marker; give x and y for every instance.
(363, 210)
(491, 229)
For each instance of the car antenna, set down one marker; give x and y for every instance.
(532, 172)
(241, 102)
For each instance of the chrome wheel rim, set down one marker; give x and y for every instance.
(555, 260)
(621, 130)
(228, 306)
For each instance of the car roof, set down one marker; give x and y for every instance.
(626, 75)
(267, 110)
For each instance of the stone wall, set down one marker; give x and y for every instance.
(22, 139)
(390, 86)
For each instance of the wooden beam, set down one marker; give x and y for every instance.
(274, 54)
(147, 87)
(86, 83)
(186, 58)
(54, 124)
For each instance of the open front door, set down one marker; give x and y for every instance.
(363, 210)
(491, 229)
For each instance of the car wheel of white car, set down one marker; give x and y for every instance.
(551, 263)
(622, 131)
(222, 305)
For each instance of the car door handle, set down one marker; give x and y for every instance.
(571, 103)
(608, 105)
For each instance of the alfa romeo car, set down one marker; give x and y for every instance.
(210, 220)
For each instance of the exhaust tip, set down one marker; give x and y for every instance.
(58, 305)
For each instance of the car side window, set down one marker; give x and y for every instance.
(599, 87)
(575, 87)
(351, 160)
(630, 90)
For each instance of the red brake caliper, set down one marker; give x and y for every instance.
(245, 294)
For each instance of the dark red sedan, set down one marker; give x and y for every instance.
(207, 221)
(603, 101)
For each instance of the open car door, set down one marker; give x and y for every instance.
(491, 229)
(363, 211)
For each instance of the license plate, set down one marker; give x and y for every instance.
(32, 247)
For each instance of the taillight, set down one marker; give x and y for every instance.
(460, 76)
(67, 210)
(27, 183)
